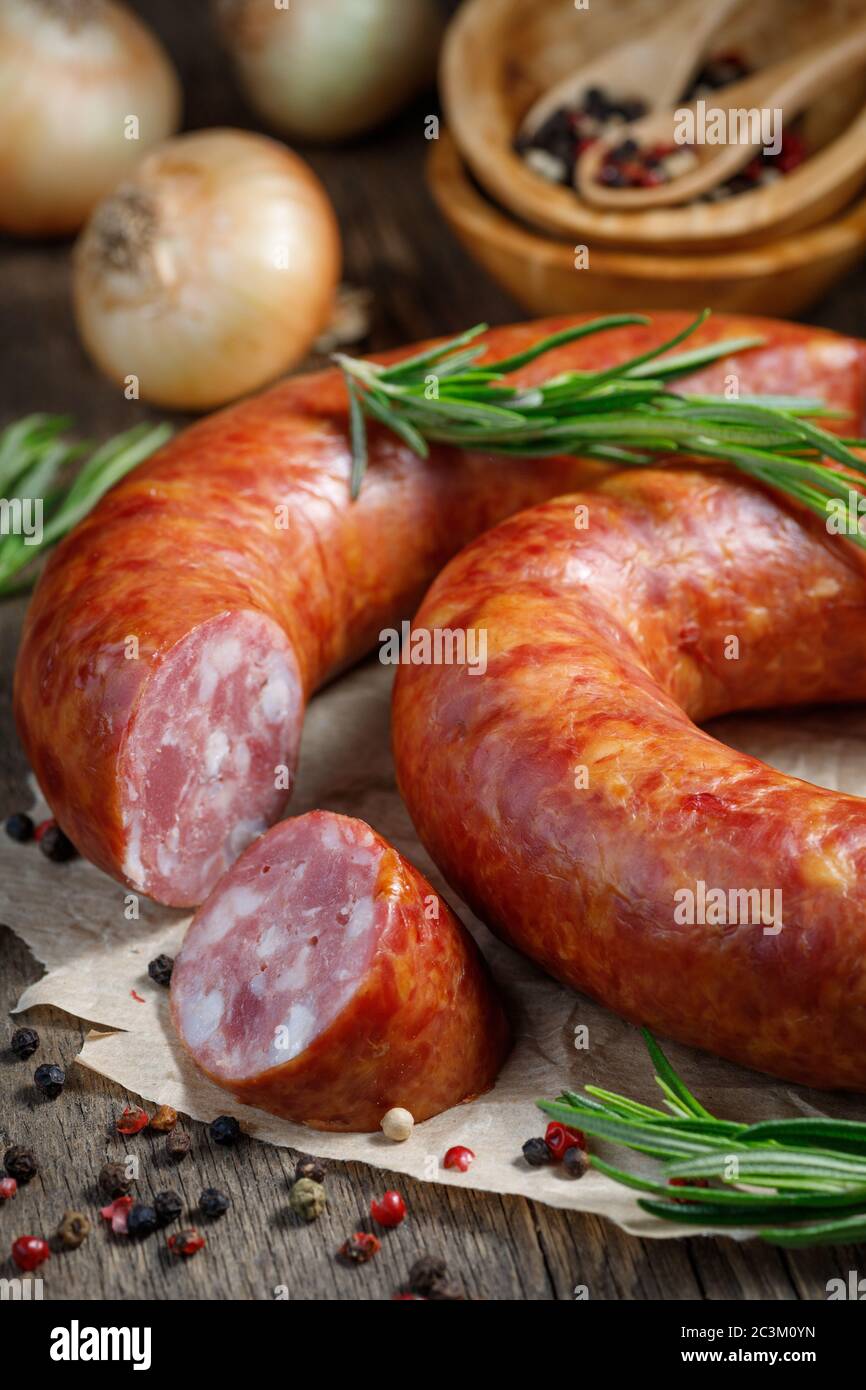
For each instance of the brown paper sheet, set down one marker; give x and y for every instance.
(74, 919)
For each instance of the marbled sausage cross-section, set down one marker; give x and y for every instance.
(324, 980)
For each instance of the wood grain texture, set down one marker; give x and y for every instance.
(499, 1248)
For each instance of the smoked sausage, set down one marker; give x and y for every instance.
(325, 981)
(569, 797)
(176, 634)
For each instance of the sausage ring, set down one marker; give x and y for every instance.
(568, 795)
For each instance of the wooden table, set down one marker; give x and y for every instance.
(501, 1248)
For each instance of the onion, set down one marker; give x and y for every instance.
(209, 273)
(329, 69)
(85, 88)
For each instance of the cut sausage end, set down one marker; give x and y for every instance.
(277, 952)
(317, 983)
(210, 755)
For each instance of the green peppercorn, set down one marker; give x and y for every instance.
(73, 1230)
(308, 1199)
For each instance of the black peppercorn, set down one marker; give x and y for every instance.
(141, 1220)
(178, 1145)
(213, 1203)
(575, 1162)
(168, 1207)
(160, 969)
(20, 1164)
(427, 1274)
(49, 1079)
(56, 846)
(312, 1168)
(24, 1043)
(537, 1153)
(114, 1180)
(20, 827)
(225, 1130)
(428, 1278)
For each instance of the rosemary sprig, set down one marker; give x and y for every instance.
(801, 1181)
(621, 415)
(34, 460)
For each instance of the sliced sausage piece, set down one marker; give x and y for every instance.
(325, 981)
(571, 800)
(176, 635)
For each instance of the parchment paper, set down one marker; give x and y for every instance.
(75, 921)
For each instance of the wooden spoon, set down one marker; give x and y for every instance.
(788, 87)
(654, 67)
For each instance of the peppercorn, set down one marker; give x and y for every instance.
(168, 1208)
(73, 1229)
(397, 1124)
(8, 1188)
(575, 1161)
(537, 1153)
(29, 1252)
(559, 1137)
(160, 968)
(389, 1210)
(312, 1168)
(19, 827)
(164, 1119)
(24, 1043)
(359, 1248)
(178, 1144)
(113, 1180)
(20, 1164)
(225, 1130)
(307, 1199)
(427, 1274)
(458, 1157)
(687, 1182)
(141, 1220)
(56, 846)
(214, 1203)
(117, 1214)
(49, 1079)
(132, 1120)
(187, 1242)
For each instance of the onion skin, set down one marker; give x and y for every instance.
(70, 75)
(328, 70)
(176, 280)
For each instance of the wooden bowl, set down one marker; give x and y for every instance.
(499, 55)
(781, 278)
